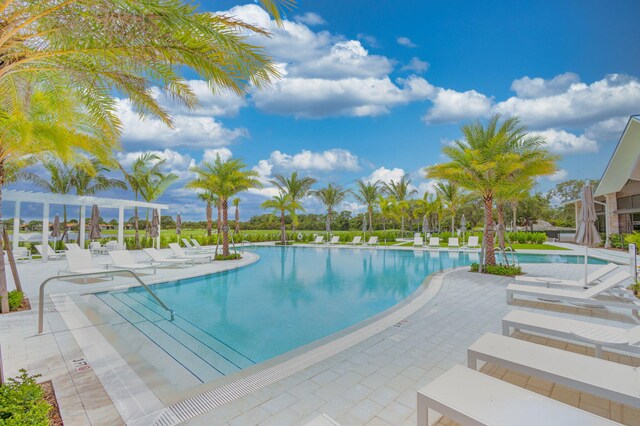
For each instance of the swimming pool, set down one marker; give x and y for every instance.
(291, 297)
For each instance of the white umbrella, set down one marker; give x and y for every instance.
(587, 234)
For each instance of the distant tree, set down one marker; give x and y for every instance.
(296, 187)
(330, 196)
(401, 191)
(282, 204)
(236, 204)
(452, 197)
(367, 193)
(209, 198)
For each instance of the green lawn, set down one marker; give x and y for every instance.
(536, 247)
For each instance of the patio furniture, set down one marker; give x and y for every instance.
(51, 254)
(72, 246)
(123, 259)
(626, 340)
(434, 242)
(81, 262)
(180, 253)
(472, 243)
(319, 240)
(591, 278)
(191, 248)
(417, 241)
(157, 256)
(112, 246)
(473, 398)
(21, 254)
(356, 241)
(96, 248)
(453, 243)
(599, 377)
(583, 297)
(334, 240)
(373, 241)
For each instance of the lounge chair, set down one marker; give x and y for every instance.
(180, 253)
(334, 240)
(21, 254)
(434, 242)
(72, 246)
(112, 246)
(472, 243)
(157, 256)
(356, 241)
(417, 241)
(453, 243)
(591, 278)
(473, 398)
(193, 249)
(626, 340)
(51, 254)
(122, 259)
(96, 248)
(319, 240)
(81, 262)
(585, 297)
(605, 379)
(373, 241)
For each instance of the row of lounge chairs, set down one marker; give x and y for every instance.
(467, 396)
(452, 243)
(357, 240)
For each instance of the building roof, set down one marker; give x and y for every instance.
(625, 161)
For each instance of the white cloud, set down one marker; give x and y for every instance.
(369, 39)
(560, 142)
(385, 175)
(310, 18)
(558, 176)
(417, 65)
(406, 42)
(607, 130)
(175, 162)
(451, 106)
(526, 87)
(210, 155)
(324, 161)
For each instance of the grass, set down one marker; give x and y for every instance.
(536, 247)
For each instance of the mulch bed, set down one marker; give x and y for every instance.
(50, 396)
(26, 306)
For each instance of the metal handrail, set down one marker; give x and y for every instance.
(106, 271)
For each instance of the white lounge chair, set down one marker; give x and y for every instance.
(434, 242)
(72, 246)
(585, 297)
(21, 254)
(81, 262)
(51, 254)
(453, 243)
(181, 254)
(122, 259)
(356, 241)
(599, 377)
(95, 247)
(157, 256)
(319, 240)
(112, 246)
(191, 249)
(417, 241)
(626, 340)
(334, 240)
(373, 241)
(591, 278)
(472, 398)
(472, 243)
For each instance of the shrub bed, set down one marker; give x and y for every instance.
(16, 300)
(22, 402)
(232, 256)
(500, 269)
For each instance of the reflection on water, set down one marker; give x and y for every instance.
(294, 296)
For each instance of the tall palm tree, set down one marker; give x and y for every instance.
(367, 193)
(490, 157)
(401, 191)
(283, 204)
(156, 183)
(387, 209)
(209, 198)
(236, 204)
(297, 188)
(225, 179)
(330, 196)
(452, 197)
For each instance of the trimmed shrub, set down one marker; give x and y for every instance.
(500, 269)
(22, 402)
(15, 299)
(232, 256)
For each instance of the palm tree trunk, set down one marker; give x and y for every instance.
(283, 230)
(209, 219)
(370, 219)
(219, 207)
(237, 228)
(402, 222)
(4, 294)
(514, 207)
(453, 222)
(489, 235)
(146, 225)
(225, 227)
(328, 224)
(501, 230)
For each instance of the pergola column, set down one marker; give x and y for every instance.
(121, 227)
(45, 232)
(81, 227)
(16, 227)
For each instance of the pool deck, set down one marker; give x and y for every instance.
(373, 380)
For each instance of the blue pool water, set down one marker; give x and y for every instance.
(290, 297)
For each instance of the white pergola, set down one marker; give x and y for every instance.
(47, 199)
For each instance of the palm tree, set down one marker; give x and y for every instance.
(156, 183)
(387, 209)
(283, 204)
(489, 158)
(236, 204)
(224, 179)
(210, 199)
(401, 191)
(330, 196)
(368, 193)
(510, 193)
(296, 188)
(451, 196)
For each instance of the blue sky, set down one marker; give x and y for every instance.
(373, 89)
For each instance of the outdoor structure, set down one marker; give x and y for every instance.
(617, 197)
(47, 199)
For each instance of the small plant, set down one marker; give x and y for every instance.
(15, 300)
(22, 402)
(232, 256)
(505, 270)
(635, 287)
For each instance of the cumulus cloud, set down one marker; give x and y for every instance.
(370, 40)
(558, 176)
(323, 161)
(406, 42)
(210, 155)
(527, 87)
(417, 65)
(451, 106)
(607, 130)
(310, 19)
(175, 162)
(385, 175)
(561, 142)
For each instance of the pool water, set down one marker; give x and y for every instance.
(291, 297)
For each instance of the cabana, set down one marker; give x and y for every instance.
(81, 201)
